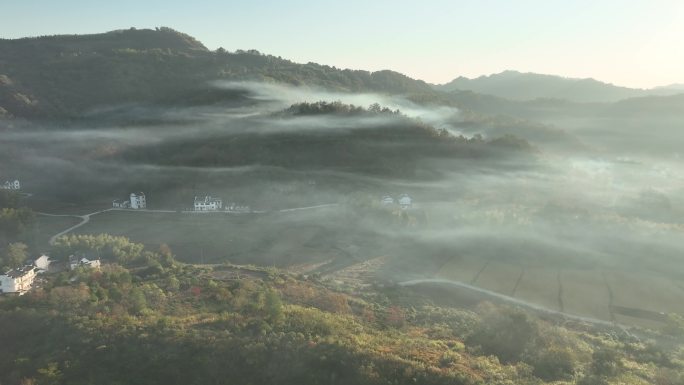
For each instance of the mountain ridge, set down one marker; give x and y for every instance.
(525, 86)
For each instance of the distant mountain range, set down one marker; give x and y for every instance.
(70, 76)
(520, 86)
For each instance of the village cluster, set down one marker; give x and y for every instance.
(20, 280)
(11, 185)
(137, 201)
(404, 201)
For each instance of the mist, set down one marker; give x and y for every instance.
(593, 214)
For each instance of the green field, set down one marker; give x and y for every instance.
(329, 239)
(46, 227)
(275, 239)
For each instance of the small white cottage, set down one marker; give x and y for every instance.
(405, 201)
(11, 185)
(387, 200)
(207, 203)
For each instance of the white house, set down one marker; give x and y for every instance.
(138, 201)
(387, 200)
(75, 262)
(18, 281)
(405, 201)
(208, 203)
(11, 185)
(119, 204)
(42, 263)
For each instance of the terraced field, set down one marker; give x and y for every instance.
(625, 297)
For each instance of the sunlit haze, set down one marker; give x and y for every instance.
(634, 43)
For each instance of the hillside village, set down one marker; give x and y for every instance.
(19, 281)
(11, 185)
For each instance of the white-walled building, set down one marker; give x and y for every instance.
(208, 203)
(405, 201)
(18, 281)
(387, 200)
(42, 263)
(75, 262)
(138, 201)
(11, 185)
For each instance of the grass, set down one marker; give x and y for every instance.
(275, 239)
(539, 285)
(499, 277)
(46, 227)
(584, 291)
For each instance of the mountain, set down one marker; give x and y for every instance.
(676, 86)
(68, 76)
(528, 86)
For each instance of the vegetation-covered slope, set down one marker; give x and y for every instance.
(160, 322)
(66, 76)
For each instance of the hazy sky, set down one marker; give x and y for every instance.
(635, 43)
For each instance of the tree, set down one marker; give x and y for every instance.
(606, 362)
(507, 334)
(17, 254)
(273, 307)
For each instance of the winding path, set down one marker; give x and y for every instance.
(84, 219)
(512, 300)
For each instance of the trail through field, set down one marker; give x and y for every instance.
(84, 219)
(512, 300)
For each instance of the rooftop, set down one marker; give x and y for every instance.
(19, 272)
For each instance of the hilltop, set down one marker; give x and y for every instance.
(68, 76)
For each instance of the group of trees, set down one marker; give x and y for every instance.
(189, 324)
(16, 230)
(338, 108)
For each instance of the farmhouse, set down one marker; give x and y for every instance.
(11, 185)
(75, 262)
(18, 281)
(387, 200)
(208, 203)
(138, 201)
(405, 201)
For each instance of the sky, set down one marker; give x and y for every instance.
(634, 43)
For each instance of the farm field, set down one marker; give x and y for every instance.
(462, 268)
(585, 293)
(277, 239)
(47, 226)
(500, 277)
(322, 238)
(539, 285)
(646, 291)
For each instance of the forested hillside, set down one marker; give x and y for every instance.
(67, 76)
